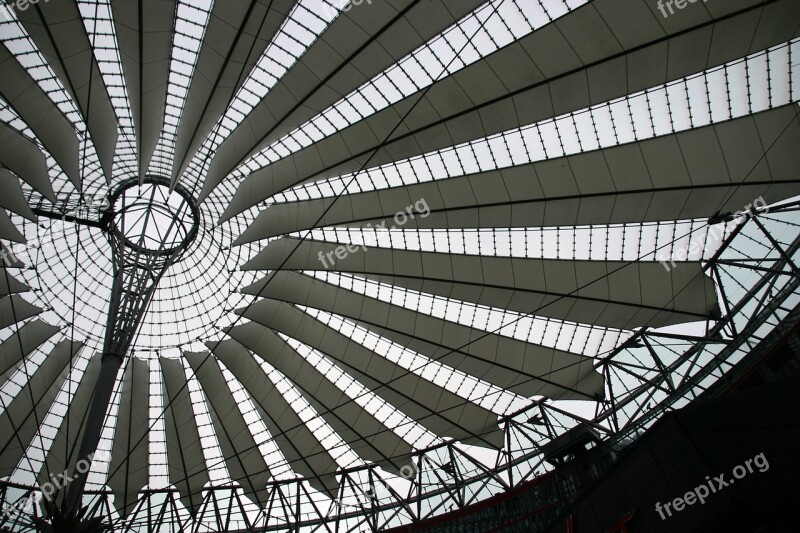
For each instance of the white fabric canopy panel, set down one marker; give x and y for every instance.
(11, 285)
(243, 459)
(307, 456)
(40, 113)
(431, 405)
(22, 418)
(61, 37)
(358, 45)
(127, 470)
(144, 32)
(187, 467)
(242, 30)
(691, 174)
(510, 89)
(523, 368)
(63, 452)
(567, 290)
(23, 341)
(21, 156)
(14, 309)
(13, 198)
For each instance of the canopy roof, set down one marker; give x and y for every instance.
(416, 218)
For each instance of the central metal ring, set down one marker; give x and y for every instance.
(152, 219)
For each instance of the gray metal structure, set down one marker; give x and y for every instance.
(299, 265)
(142, 250)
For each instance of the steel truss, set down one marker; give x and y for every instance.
(647, 375)
(137, 270)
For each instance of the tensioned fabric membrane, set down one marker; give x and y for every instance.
(414, 217)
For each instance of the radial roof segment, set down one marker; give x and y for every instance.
(298, 444)
(21, 418)
(565, 290)
(560, 69)
(13, 197)
(41, 114)
(369, 436)
(242, 31)
(60, 36)
(22, 157)
(62, 454)
(126, 477)
(330, 265)
(430, 404)
(144, 36)
(14, 309)
(355, 48)
(187, 468)
(527, 369)
(10, 285)
(692, 174)
(243, 459)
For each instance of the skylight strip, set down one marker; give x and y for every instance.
(101, 462)
(525, 327)
(664, 110)
(642, 241)
(157, 459)
(406, 428)
(191, 21)
(279, 467)
(305, 22)
(19, 43)
(476, 36)
(459, 383)
(212, 453)
(43, 440)
(30, 363)
(10, 117)
(323, 432)
(98, 21)
(16, 39)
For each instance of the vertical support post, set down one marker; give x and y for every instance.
(141, 254)
(109, 367)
